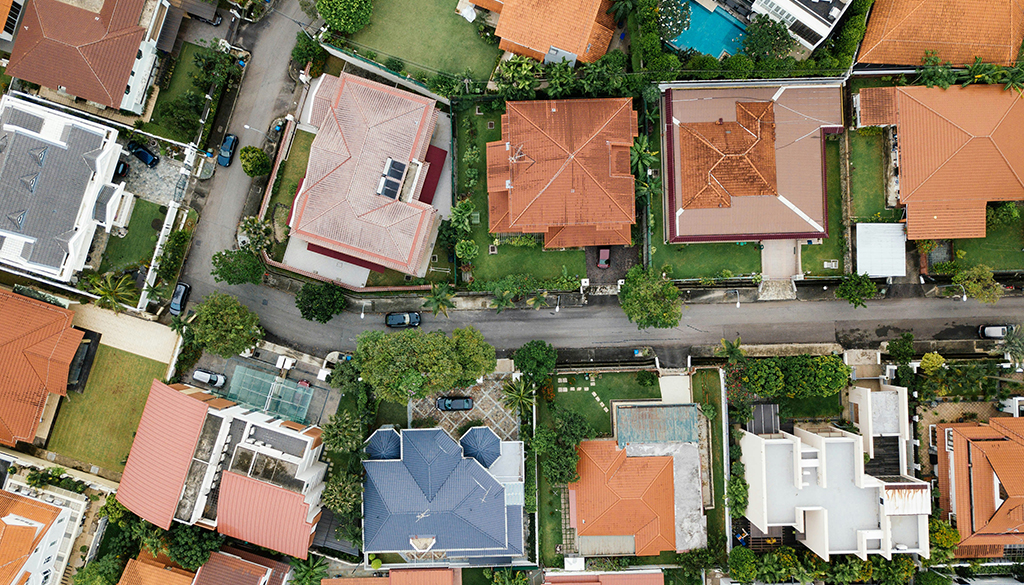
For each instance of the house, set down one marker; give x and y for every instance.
(562, 169)
(238, 567)
(978, 473)
(938, 139)
(30, 534)
(553, 30)
(808, 21)
(817, 482)
(38, 349)
(73, 508)
(900, 31)
(430, 498)
(744, 161)
(641, 492)
(147, 570)
(10, 12)
(401, 577)
(56, 189)
(366, 198)
(631, 577)
(104, 51)
(203, 460)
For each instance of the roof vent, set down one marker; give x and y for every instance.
(30, 181)
(18, 218)
(508, 183)
(39, 154)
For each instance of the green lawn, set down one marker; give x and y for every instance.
(137, 247)
(509, 259)
(609, 387)
(474, 577)
(1000, 249)
(833, 247)
(287, 184)
(395, 278)
(391, 413)
(98, 425)
(549, 516)
(427, 34)
(867, 178)
(707, 387)
(181, 81)
(812, 407)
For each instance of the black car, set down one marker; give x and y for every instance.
(142, 153)
(217, 19)
(121, 170)
(227, 150)
(180, 297)
(454, 403)
(402, 320)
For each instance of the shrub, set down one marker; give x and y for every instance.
(345, 16)
(467, 250)
(742, 564)
(931, 362)
(646, 378)
(736, 495)
(255, 162)
(395, 64)
(173, 255)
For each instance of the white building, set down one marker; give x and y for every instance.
(31, 534)
(72, 508)
(808, 21)
(56, 188)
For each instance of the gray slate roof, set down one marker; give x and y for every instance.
(384, 444)
(435, 491)
(481, 444)
(42, 185)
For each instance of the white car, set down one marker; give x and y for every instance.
(212, 378)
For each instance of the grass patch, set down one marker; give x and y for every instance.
(811, 407)
(833, 247)
(867, 178)
(1000, 249)
(427, 34)
(286, 185)
(707, 387)
(509, 259)
(98, 426)
(137, 247)
(391, 413)
(549, 516)
(334, 66)
(474, 577)
(395, 278)
(181, 81)
(608, 387)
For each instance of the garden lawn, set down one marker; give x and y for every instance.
(391, 413)
(395, 278)
(867, 178)
(1002, 248)
(474, 577)
(181, 81)
(609, 387)
(509, 259)
(811, 407)
(549, 516)
(137, 247)
(427, 34)
(286, 185)
(98, 425)
(834, 246)
(707, 388)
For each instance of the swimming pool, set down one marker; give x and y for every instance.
(713, 33)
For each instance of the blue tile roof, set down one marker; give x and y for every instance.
(657, 423)
(481, 444)
(384, 444)
(435, 491)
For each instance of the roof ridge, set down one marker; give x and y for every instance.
(996, 144)
(949, 122)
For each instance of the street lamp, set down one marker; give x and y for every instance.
(962, 289)
(248, 127)
(362, 313)
(737, 291)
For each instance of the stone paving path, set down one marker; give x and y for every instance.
(487, 407)
(156, 184)
(949, 412)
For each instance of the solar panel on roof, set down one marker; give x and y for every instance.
(390, 189)
(396, 170)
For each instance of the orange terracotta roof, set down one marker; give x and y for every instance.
(880, 107)
(279, 569)
(401, 577)
(226, 569)
(361, 124)
(958, 150)
(631, 578)
(357, 581)
(161, 454)
(264, 514)
(143, 571)
(900, 31)
(89, 54)
(618, 495)
(37, 345)
(562, 169)
(17, 541)
(581, 27)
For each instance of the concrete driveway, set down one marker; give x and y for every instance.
(487, 407)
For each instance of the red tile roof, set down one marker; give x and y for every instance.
(361, 124)
(264, 514)
(279, 569)
(900, 31)
(161, 454)
(37, 345)
(562, 168)
(401, 577)
(89, 54)
(619, 496)
(226, 569)
(146, 571)
(630, 578)
(18, 541)
(959, 149)
(532, 27)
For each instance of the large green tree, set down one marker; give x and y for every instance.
(224, 326)
(310, 571)
(536, 360)
(105, 570)
(114, 291)
(857, 288)
(255, 162)
(345, 16)
(343, 433)
(649, 300)
(320, 302)
(980, 283)
(190, 546)
(767, 39)
(258, 232)
(237, 267)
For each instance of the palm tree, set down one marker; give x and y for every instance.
(844, 572)
(310, 571)
(1013, 344)
(640, 156)
(259, 232)
(538, 301)
(647, 188)
(621, 8)
(502, 300)
(731, 351)
(114, 293)
(440, 298)
(517, 395)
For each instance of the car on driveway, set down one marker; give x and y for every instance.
(217, 19)
(402, 320)
(994, 331)
(604, 257)
(121, 170)
(142, 153)
(180, 297)
(454, 403)
(227, 150)
(207, 377)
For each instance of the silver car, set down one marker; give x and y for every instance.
(207, 377)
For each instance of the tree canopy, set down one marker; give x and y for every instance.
(649, 300)
(857, 288)
(190, 546)
(237, 267)
(255, 162)
(767, 38)
(345, 16)
(224, 326)
(558, 447)
(799, 376)
(980, 283)
(320, 302)
(536, 360)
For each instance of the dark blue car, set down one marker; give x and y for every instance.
(142, 153)
(227, 150)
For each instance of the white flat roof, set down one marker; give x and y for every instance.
(881, 249)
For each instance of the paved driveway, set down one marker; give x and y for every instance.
(155, 184)
(138, 336)
(487, 407)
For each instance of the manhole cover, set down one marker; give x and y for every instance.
(264, 302)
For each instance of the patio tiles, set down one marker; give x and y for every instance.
(486, 407)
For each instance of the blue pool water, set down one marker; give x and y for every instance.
(713, 33)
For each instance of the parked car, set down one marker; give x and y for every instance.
(227, 150)
(142, 153)
(180, 297)
(604, 257)
(994, 331)
(402, 320)
(207, 377)
(454, 403)
(217, 19)
(121, 170)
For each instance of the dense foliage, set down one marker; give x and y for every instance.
(320, 302)
(173, 255)
(857, 288)
(901, 349)
(345, 16)
(980, 283)
(190, 546)
(650, 300)
(767, 38)
(798, 376)
(536, 360)
(255, 162)
(237, 267)
(558, 447)
(224, 326)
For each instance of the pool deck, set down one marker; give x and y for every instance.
(714, 33)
